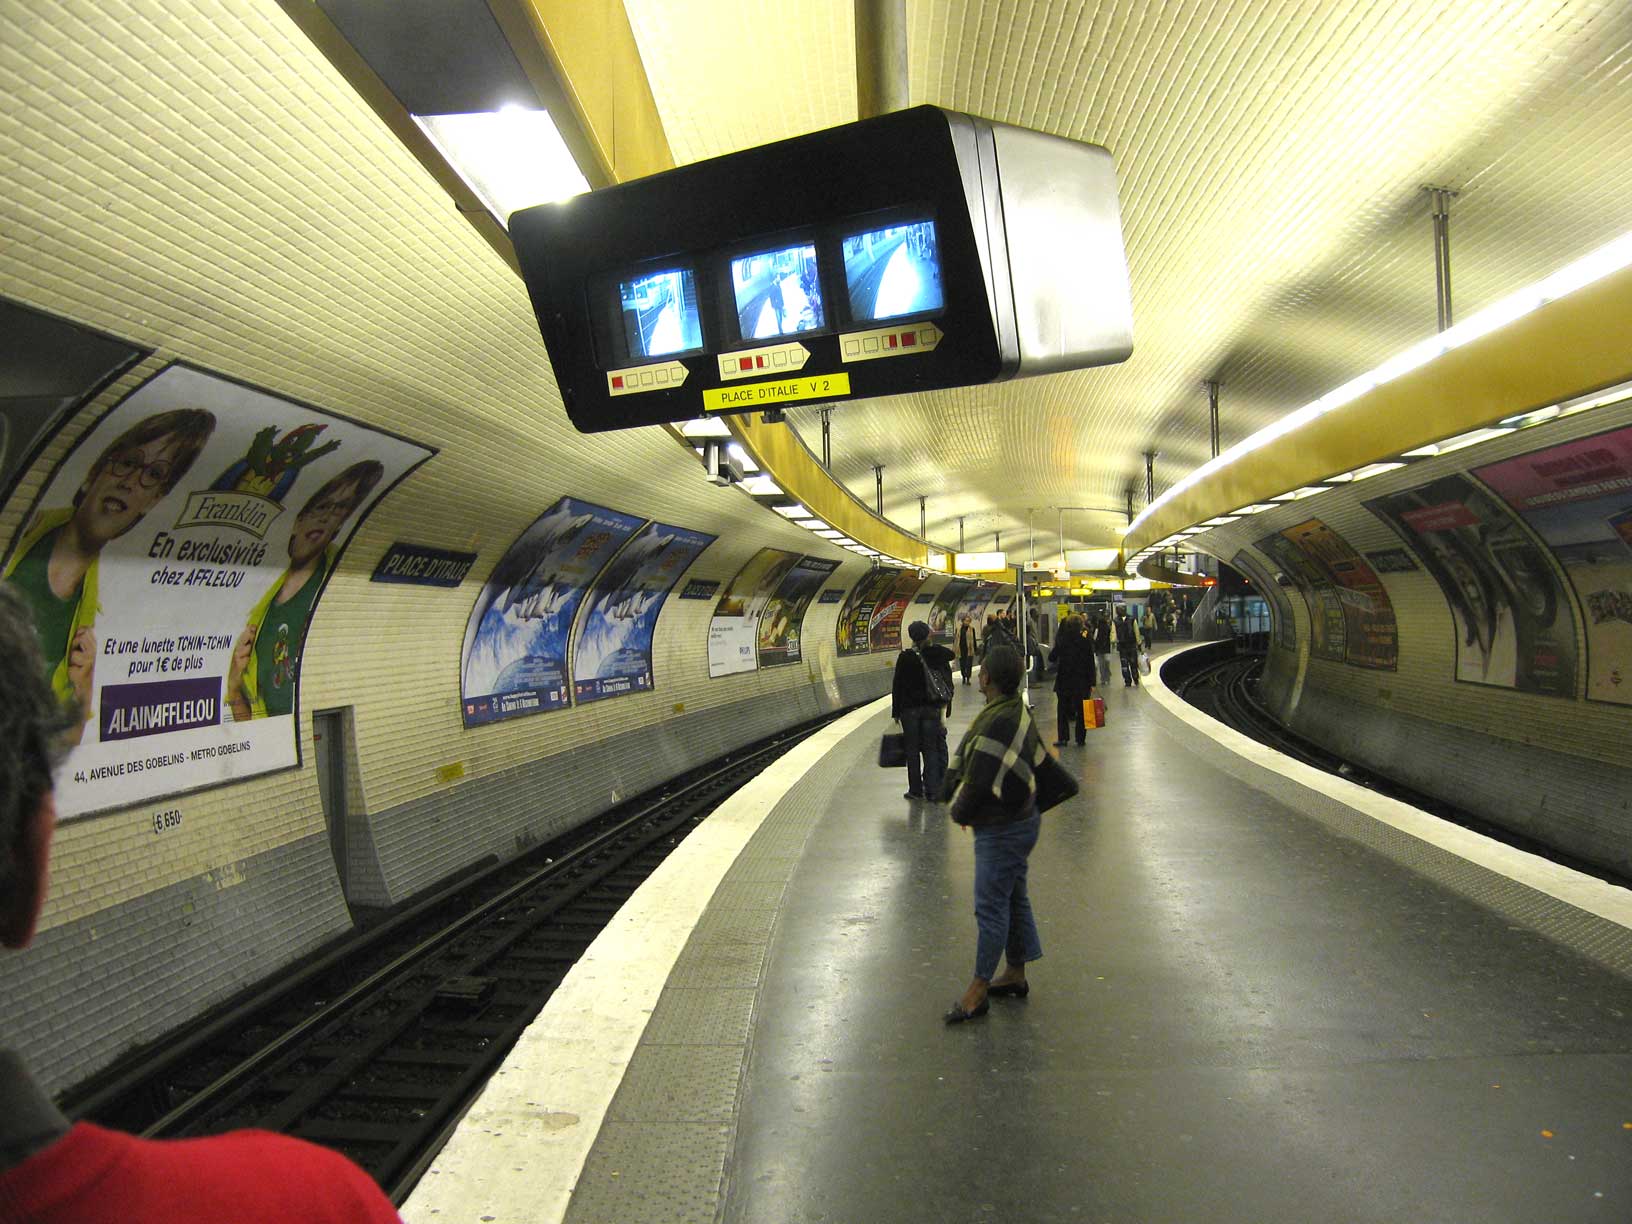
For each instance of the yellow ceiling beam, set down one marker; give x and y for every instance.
(582, 58)
(780, 453)
(1566, 348)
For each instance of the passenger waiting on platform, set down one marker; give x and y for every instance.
(1128, 645)
(998, 634)
(1073, 661)
(967, 644)
(51, 1170)
(993, 790)
(1102, 646)
(915, 706)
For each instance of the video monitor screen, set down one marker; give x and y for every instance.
(660, 316)
(778, 292)
(893, 272)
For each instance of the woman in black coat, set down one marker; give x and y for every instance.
(1073, 658)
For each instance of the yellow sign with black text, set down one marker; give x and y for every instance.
(770, 394)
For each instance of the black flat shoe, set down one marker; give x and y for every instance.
(913, 795)
(1018, 990)
(957, 1015)
(1060, 743)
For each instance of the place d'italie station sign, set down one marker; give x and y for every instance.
(421, 566)
(914, 251)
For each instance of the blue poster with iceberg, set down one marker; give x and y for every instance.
(514, 660)
(613, 652)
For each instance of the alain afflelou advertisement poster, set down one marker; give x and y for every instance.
(173, 563)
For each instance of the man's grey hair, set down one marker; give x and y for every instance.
(32, 720)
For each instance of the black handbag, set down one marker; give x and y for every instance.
(1054, 783)
(892, 750)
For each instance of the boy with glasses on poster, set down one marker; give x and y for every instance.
(56, 565)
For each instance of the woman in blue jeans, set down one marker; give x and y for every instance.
(993, 790)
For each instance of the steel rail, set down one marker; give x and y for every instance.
(336, 1009)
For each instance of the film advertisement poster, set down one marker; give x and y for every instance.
(514, 660)
(734, 629)
(1327, 626)
(1280, 607)
(173, 563)
(47, 367)
(1578, 498)
(1371, 637)
(943, 613)
(884, 627)
(976, 602)
(613, 650)
(856, 616)
(831, 595)
(782, 622)
(1514, 625)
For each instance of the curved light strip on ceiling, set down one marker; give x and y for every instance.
(1611, 257)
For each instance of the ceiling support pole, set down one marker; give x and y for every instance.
(923, 519)
(1212, 385)
(878, 486)
(827, 439)
(1441, 200)
(960, 533)
(1150, 477)
(881, 57)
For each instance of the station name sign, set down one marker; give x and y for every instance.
(420, 566)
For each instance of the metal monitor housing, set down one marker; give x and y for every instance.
(1034, 275)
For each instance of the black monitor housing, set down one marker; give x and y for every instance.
(919, 250)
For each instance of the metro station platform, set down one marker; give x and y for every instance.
(1266, 995)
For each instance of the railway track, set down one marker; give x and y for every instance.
(377, 1049)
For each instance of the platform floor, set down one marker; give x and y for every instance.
(1255, 1004)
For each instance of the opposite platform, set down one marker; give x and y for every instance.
(1256, 1003)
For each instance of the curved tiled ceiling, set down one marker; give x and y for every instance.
(1272, 155)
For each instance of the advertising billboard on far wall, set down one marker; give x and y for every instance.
(734, 630)
(781, 625)
(1513, 622)
(1578, 498)
(514, 660)
(612, 649)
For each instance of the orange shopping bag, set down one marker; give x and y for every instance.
(1093, 712)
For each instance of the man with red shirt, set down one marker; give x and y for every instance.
(54, 1172)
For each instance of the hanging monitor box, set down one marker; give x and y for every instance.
(919, 250)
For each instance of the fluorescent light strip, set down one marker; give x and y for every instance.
(1255, 508)
(511, 158)
(1471, 438)
(795, 511)
(761, 486)
(705, 427)
(810, 524)
(1609, 258)
(830, 534)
